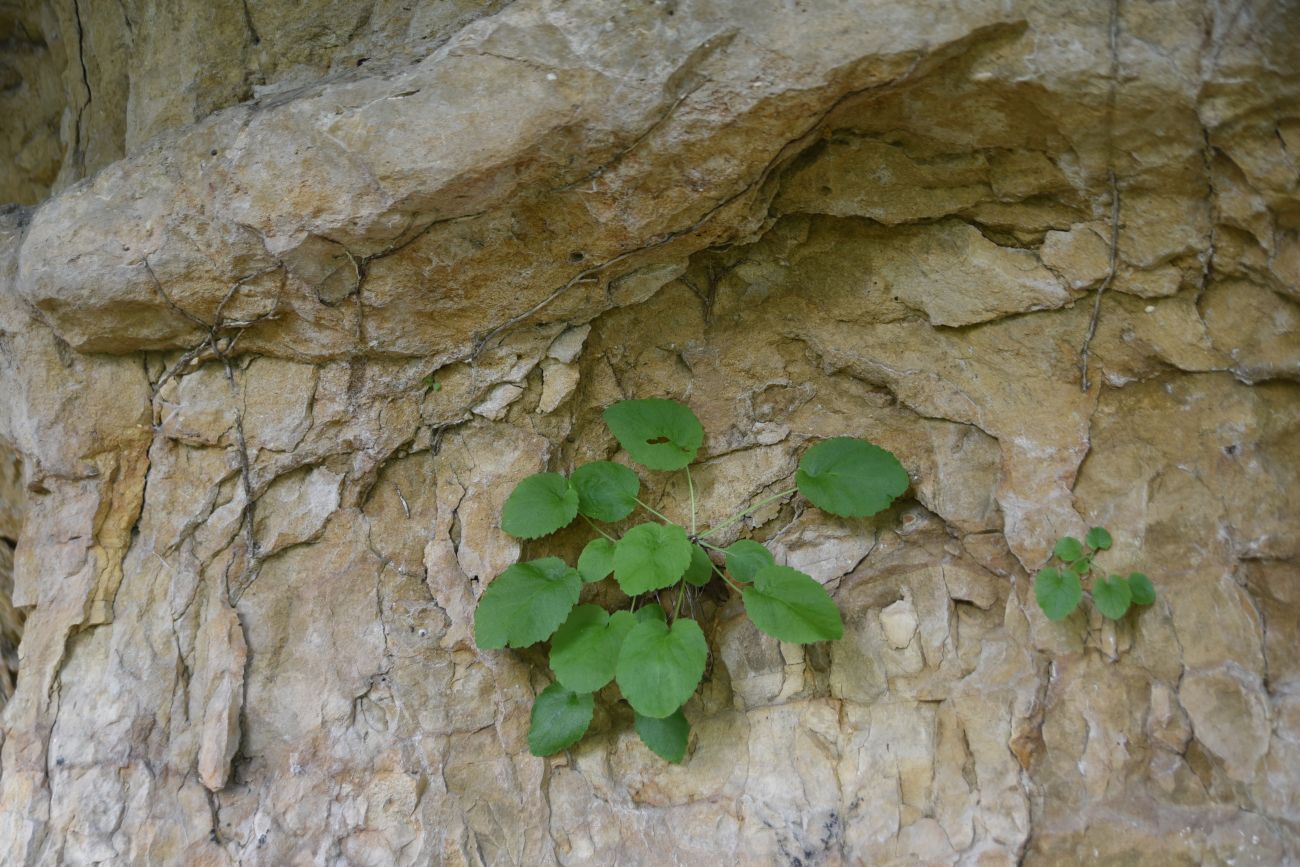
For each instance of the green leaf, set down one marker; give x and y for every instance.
(650, 557)
(540, 504)
(1058, 592)
(1068, 549)
(660, 667)
(559, 719)
(596, 560)
(585, 649)
(747, 557)
(666, 737)
(790, 606)
(660, 434)
(653, 611)
(850, 477)
(606, 490)
(526, 603)
(1140, 587)
(1112, 596)
(1098, 539)
(701, 568)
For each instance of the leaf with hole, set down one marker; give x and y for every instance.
(1058, 592)
(1112, 596)
(745, 558)
(606, 490)
(1068, 549)
(790, 606)
(850, 477)
(560, 717)
(1098, 539)
(540, 504)
(701, 568)
(526, 603)
(1141, 589)
(660, 667)
(666, 736)
(596, 560)
(657, 433)
(585, 649)
(651, 557)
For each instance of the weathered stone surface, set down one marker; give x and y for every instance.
(339, 274)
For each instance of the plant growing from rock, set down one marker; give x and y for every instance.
(657, 657)
(1059, 590)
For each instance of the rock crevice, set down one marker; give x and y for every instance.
(273, 364)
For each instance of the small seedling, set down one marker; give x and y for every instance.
(1060, 589)
(431, 384)
(657, 658)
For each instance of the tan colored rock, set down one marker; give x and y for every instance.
(1081, 255)
(219, 678)
(251, 537)
(956, 276)
(1230, 717)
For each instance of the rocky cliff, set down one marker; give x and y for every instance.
(1048, 254)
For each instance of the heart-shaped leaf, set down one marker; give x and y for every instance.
(596, 560)
(1112, 596)
(540, 504)
(701, 568)
(653, 611)
(606, 490)
(850, 477)
(660, 434)
(585, 649)
(747, 557)
(526, 603)
(559, 719)
(1058, 592)
(1141, 589)
(1098, 539)
(650, 557)
(1068, 549)
(659, 668)
(790, 606)
(666, 737)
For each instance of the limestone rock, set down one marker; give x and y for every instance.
(242, 536)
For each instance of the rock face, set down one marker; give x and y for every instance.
(247, 535)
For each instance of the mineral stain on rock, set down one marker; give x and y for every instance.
(241, 539)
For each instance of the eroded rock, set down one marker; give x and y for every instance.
(271, 373)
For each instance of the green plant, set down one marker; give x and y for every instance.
(1059, 590)
(657, 658)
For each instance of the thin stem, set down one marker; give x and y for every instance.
(653, 512)
(690, 484)
(754, 508)
(710, 545)
(723, 576)
(681, 591)
(598, 530)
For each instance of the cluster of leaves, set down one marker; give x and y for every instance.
(1060, 589)
(657, 658)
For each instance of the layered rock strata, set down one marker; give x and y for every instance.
(1049, 257)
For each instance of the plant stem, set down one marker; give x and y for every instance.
(710, 545)
(754, 508)
(690, 484)
(653, 512)
(598, 530)
(723, 576)
(681, 591)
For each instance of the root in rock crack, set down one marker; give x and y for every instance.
(1105, 284)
